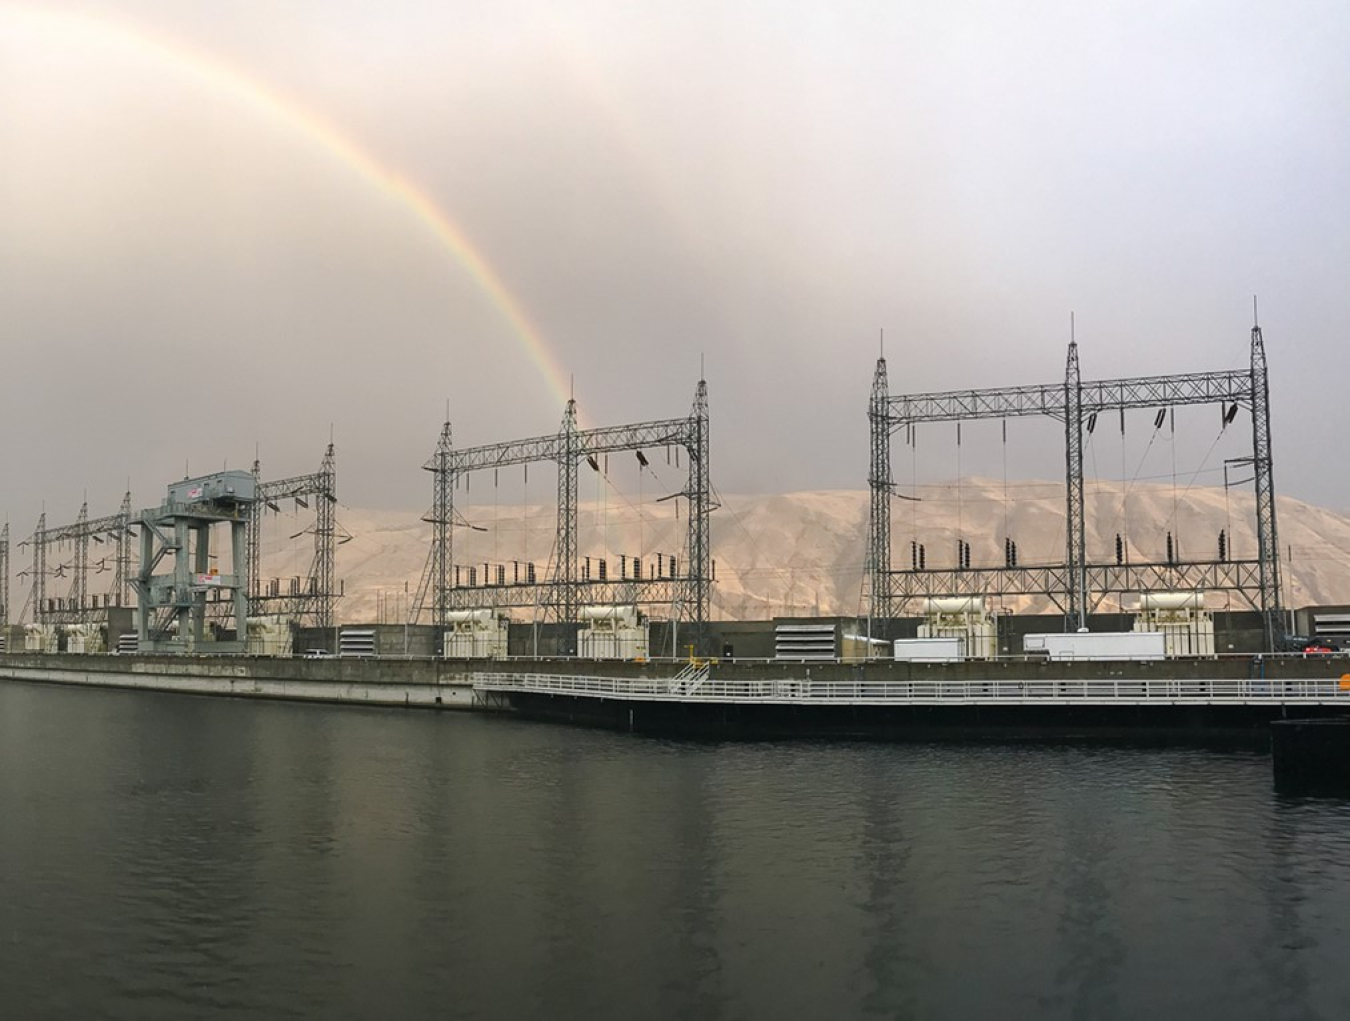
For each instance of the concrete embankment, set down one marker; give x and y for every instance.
(429, 683)
(448, 684)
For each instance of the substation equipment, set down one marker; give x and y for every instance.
(1076, 585)
(75, 615)
(309, 600)
(563, 589)
(475, 634)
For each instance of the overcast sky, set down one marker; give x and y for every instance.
(187, 272)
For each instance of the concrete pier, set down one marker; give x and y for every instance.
(1311, 756)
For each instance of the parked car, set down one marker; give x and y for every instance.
(1308, 645)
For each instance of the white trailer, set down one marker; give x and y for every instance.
(1099, 645)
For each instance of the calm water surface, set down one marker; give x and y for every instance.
(174, 857)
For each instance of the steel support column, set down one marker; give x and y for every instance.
(79, 580)
(566, 542)
(1267, 538)
(325, 542)
(699, 550)
(122, 554)
(1075, 524)
(442, 527)
(4, 576)
(40, 570)
(881, 483)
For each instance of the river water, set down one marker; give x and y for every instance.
(170, 857)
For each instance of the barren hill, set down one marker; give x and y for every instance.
(803, 553)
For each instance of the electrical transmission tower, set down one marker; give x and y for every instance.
(79, 605)
(882, 485)
(37, 592)
(4, 576)
(561, 593)
(437, 576)
(1075, 585)
(313, 599)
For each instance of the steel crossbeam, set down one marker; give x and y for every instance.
(1048, 400)
(653, 592)
(1052, 580)
(585, 443)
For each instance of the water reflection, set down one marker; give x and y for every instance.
(165, 857)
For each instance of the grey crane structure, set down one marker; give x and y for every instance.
(562, 592)
(173, 609)
(1076, 585)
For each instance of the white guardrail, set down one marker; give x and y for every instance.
(1330, 690)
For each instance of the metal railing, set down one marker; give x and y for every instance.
(1115, 691)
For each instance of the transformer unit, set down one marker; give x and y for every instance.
(84, 638)
(1181, 617)
(613, 632)
(476, 634)
(40, 638)
(964, 618)
(269, 636)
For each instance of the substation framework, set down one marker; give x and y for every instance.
(78, 605)
(1077, 586)
(312, 599)
(562, 591)
(309, 600)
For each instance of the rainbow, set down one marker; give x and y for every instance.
(267, 101)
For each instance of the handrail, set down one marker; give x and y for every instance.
(1237, 691)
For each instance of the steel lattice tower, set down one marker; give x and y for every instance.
(566, 544)
(255, 514)
(1267, 539)
(79, 582)
(325, 540)
(881, 482)
(316, 599)
(122, 559)
(4, 576)
(442, 526)
(40, 570)
(1075, 525)
(699, 492)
